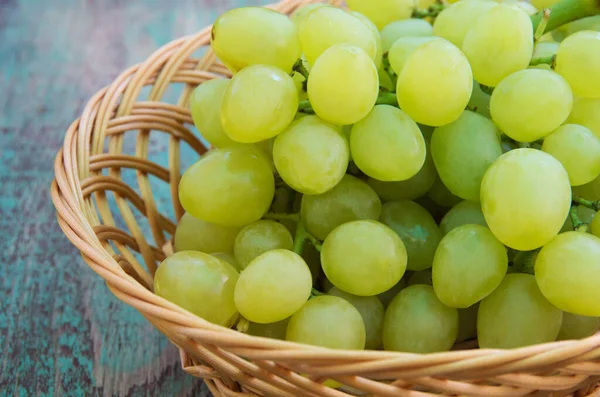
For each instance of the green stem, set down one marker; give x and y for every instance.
(486, 89)
(566, 11)
(595, 205)
(299, 67)
(387, 67)
(541, 28)
(524, 261)
(315, 292)
(303, 105)
(281, 217)
(578, 224)
(431, 11)
(299, 238)
(549, 60)
(242, 325)
(314, 241)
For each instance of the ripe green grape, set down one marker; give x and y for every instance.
(525, 198)
(229, 258)
(440, 194)
(350, 200)
(433, 73)
(468, 265)
(586, 215)
(199, 283)
(420, 277)
(363, 257)
(577, 327)
(375, 32)
(586, 112)
(480, 101)
(387, 144)
(387, 296)
(578, 61)
(500, 43)
(530, 104)
(255, 35)
(467, 323)
(566, 269)
(311, 155)
(412, 27)
(273, 286)
(260, 237)
(516, 314)
(343, 84)
(463, 213)
(205, 107)
(328, 321)
(417, 229)
(196, 235)
(417, 322)
(231, 187)
(270, 330)
(456, 20)
(298, 15)
(371, 310)
(403, 48)
(382, 12)
(463, 150)
(259, 103)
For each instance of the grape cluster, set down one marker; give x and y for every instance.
(396, 178)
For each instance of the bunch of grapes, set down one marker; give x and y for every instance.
(397, 178)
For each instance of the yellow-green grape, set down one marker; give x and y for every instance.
(205, 107)
(480, 101)
(376, 36)
(577, 149)
(595, 225)
(468, 265)
(260, 237)
(588, 23)
(311, 155)
(259, 103)
(525, 198)
(463, 213)
(420, 277)
(417, 229)
(270, 330)
(231, 187)
(467, 323)
(255, 35)
(229, 258)
(412, 27)
(578, 61)
(199, 283)
(350, 200)
(324, 27)
(577, 327)
(499, 44)
(387, 296)
(590, 191)
(528, 105)
(403, 48)
(343, 84)
(434, 72)
(571, 288)
(382, 12)
(363, 257)
(298, 15)
(196, 235)
(541, 4)
(417, 322)
(275, 285)
(524, 5)
(455, 21)
(586, 112)
(516, 314)
(328, 321)
(463, 150)
(586, 215)
(387, 144)
(440, 194)
(371, 310)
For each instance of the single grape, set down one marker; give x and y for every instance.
(417, 322)
(382, 12)
(467, 323)
(577, 327)
(350, 200)
(328, 321)
(530, 104)
(387, 144)
(273, 286)
(387, 296)
(363, 257)
(260, 237)
(480, 101)
(298, 15)
(578, 61)
(402, 48)
(516, 314)
(412, 27)
(311, 155)
(375, 32)
(196, 235)
(420, 277)
(571, 287)
(205, 107)
(229, 258)
(463, 213)
(440, 194)
(255, 35)
(231, 187)
(586, 112)
(455, 21)
(270, 330)
(525, 198)
(417, 229)
(199, 283)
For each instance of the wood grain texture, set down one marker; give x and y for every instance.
(62, 332)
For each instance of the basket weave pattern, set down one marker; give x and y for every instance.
(235, 364)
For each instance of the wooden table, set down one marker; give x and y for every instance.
(61, 331)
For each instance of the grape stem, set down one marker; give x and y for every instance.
(541, 28)
(302, 235)
(578, 225)
(242, 325)
(524, 262)
(431, 11)
(315, 292)
(550, 60)
(299, 67)
(595, 205)
(281, 217)
(387, 67)
(488, 90)
(563, 12)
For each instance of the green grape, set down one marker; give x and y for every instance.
(516, 314)
(411, 27)
(417, 229)
(311, 155)
(402, 48)
(524, 5)
(260, 237)
(328, 321)
(382, 12)
(324, 27)
(456, 20)
(578, 61)
(590, 191)
(273, 286)
(440, 194)
(500, 43)
(525, 198)
(433, 73)
(480, 101)
(463, 213)
(205, 107)
(387, 296)
(417, 322)
(196, 235)
(375, 32)
(270, 330)
(363, 257)
(350, 200)
(259, 103)
(530, 104)
(468, 265)
(595, 225)
(231, 187)
(420, 277)
(566, 269)
(577, 327)
(586, 112)
(255, 35)
(586, 215)
(467, 323)
(343, 84)
(463, 150)
(371, 310)
(387, 144)
(199, 283)
(301, 12)
(588, 23)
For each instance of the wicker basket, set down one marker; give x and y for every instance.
(93, 161)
